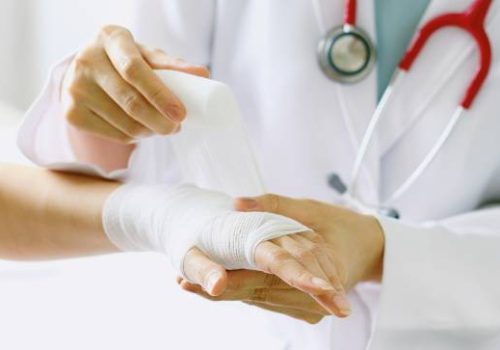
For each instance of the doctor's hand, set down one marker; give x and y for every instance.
(110, 89)
(356, 239)
(305, 263)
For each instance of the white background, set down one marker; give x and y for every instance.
(125, 301)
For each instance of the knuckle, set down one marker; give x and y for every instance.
(280, 255)
(82, 61)
(76, 88)
(132, 103)
(109, 30)
(316, 249)
(304, 254)
(273, 202)
(73, 115)
(129, 67)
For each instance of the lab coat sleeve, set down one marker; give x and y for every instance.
(441, 284)
(181, 28)
(43, 136)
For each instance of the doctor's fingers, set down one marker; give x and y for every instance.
(96, 100)
(204, 272)
(314, 256)
(158, 59)
(134, 104)
(127, 59)
(86, 120)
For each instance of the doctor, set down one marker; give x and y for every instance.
(439, 285)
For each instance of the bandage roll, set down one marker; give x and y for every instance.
(212, 149)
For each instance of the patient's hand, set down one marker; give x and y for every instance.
(305, 261)
(265, 291)
(346, 247)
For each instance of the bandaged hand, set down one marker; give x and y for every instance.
(353, 242)
(174, 220)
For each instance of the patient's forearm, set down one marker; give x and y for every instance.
(47, 215)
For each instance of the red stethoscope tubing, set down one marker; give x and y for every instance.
(350, 12)
(471, 21)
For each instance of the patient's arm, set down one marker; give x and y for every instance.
(45, 215)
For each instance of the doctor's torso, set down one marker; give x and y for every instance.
(303, 126)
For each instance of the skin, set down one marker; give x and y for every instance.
(111, 97)
(64, 214)
(65, 220)
(354, 242)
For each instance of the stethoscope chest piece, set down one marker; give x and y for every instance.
(346, 54)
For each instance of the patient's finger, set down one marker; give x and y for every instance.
(273, 259)
(308, 254)
(203, 271)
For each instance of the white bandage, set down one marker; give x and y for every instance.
(212, 149)
(213, 152)
(173, 220)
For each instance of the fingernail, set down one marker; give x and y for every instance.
(321, 283)
(212, 280)
(248, 203)
(343, 304)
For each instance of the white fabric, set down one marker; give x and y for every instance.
(303, 127)
(173, 220)
(212, 128)
(441, 301)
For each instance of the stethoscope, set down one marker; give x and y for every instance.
(346, 54)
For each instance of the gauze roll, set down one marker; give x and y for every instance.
(172, 220)
(212, 149)
(213, 153)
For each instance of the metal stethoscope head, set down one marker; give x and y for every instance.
(346, 54)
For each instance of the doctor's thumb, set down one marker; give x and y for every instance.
(199, 269)
(272, 203)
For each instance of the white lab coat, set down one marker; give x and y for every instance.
(440, 286)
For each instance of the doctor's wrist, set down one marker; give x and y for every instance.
(374, 248)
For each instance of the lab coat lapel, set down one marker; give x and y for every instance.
(429, 76)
